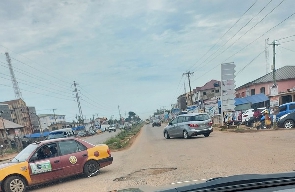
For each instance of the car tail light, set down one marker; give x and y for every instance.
(210, 123)
(193, 125)
(245, 115)
(109, 151)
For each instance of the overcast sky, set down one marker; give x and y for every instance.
(133, 53)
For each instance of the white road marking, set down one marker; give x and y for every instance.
(179, 182)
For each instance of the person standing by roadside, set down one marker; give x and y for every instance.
(256, 116)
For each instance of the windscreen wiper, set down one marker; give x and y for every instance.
(239, 183)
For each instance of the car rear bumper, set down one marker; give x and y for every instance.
(105, 162)
(200, 131)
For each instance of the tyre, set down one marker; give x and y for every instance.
(90, 168)
(288, 124)
(206, 134)
(14, 184)
(166, 135)
(185, 135)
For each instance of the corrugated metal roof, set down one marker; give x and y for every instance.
(209, 85)
(283, 73)
(9, 125)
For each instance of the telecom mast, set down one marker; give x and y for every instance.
(78, 101)
(17, 92)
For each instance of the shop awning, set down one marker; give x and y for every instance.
(251, 99)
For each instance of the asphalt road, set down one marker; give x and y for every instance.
(155, 163)
(101, 138)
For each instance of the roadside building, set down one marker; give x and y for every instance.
(5, 112)
(20, 114)
(34, 118)
(12, 129)
(285, 79)
(47, 120)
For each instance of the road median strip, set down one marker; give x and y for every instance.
(122, 140)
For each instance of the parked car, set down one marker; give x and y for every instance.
(283, 110)
(51, 160)
(82, 134)
(188, 125)
(91, 132)
(287, 121)
(249, 113)
(112, 128)
(156, 123)
(61, 133)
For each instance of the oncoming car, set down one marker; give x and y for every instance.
(188, 125)
(52, 160)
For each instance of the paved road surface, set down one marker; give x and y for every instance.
(153, 161)
(101, 138)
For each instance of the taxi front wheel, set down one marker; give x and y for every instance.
(14, 184)
(91, 168)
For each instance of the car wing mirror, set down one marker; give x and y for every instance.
(33, 159)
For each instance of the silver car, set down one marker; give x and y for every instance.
(188, 125)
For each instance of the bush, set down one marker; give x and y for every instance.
(121, 140)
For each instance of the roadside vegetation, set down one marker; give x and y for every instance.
(122, 140)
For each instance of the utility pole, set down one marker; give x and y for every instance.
(266, 56)
(274, 44)
(119, 114)
(275, 86)
(78, 102)
(17, 92)
(54, 115)
(188, 74)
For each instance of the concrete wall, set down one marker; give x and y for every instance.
(282, 86)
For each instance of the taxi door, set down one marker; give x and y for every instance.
(74, 156)
(44, 169)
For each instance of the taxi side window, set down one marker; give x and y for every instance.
(45, 151)
(70, 146)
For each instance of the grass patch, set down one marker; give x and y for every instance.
(121, 140)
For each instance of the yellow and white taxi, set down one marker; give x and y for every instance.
(51, 160)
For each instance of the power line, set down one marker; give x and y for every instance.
(35, 77)
(247, 45)
(39, 70)
(30, 60)
(288, 49)
(249, 29)
(59, 93)
(225, 33)
(31, 83)
(40, 93)
(288, 41)
(102, 106)
(250, 62)
(286, 37)
(178, 86)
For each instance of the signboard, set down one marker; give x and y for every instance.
(228, 86)
(274, 101)
(274, 91)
